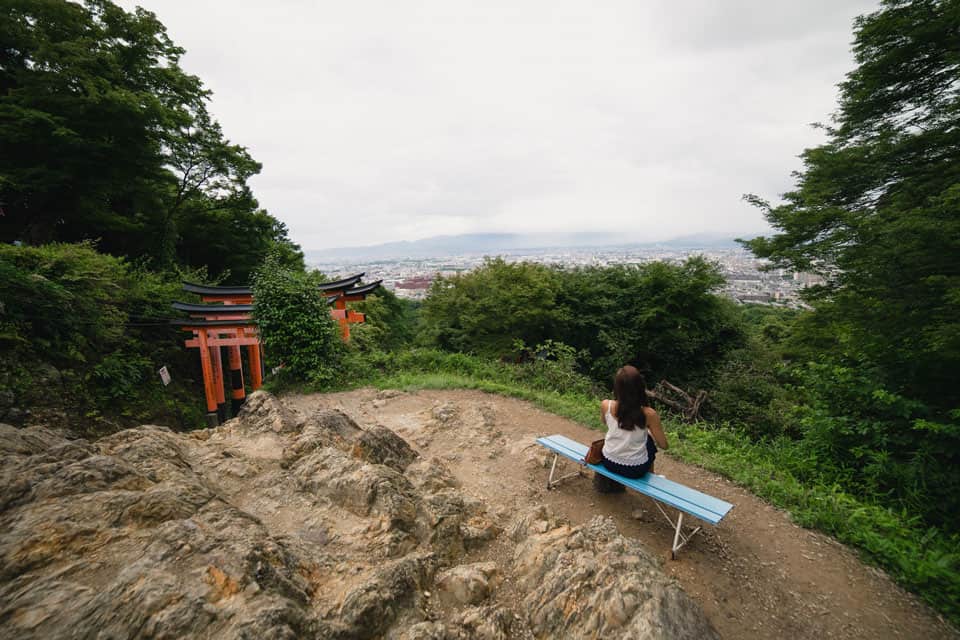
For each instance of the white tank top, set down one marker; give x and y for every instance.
(622, 446)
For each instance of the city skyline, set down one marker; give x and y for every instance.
(747, 282)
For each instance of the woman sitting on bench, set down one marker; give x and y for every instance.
(633, 431)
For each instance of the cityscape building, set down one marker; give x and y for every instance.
(747, 280)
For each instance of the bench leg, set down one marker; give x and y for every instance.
(551, 483)
(679, 537)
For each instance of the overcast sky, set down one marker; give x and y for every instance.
(381, 121)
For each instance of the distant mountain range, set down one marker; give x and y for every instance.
(494, 243)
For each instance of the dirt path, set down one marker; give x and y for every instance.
(757, 575)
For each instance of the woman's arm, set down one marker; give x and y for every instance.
(656, 429)
(603, 412)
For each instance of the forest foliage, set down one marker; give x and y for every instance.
(84, 332)
(299, 337)
(663, 318)
(106, 138)
(874, 209)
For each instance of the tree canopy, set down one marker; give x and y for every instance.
(875, 207)
(106, 138)
(662, 317)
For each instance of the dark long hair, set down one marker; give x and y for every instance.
(630, 390)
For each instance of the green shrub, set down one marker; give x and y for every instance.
(885, 446)
(485, 310)
(752, 384)
(664, 318)
(84, 333)
(389, 322)
(296, 329)
(787, 472)
(551, 366)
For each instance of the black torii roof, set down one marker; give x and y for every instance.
(213, 290)
(363, 290)
(343, 283)
(221, 309)
(210, 290)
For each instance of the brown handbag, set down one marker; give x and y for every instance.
(595, 454)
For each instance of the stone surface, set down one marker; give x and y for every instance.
(281, 524)
(379, 445)
(590, 582)
(469, 583)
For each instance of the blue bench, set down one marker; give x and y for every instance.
(668, 492)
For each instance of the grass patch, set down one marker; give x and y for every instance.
(924, 560)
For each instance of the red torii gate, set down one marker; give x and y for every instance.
(223, 325)
(340, 292)
(229, 324)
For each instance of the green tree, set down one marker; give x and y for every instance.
(485, 310)
(86, 332)
(875, 207)
(295, 325)
(661, 317)
(389, 322)
(88, 96)
(664, 318)
(104, 137)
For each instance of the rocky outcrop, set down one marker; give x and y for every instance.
(468, 584)
(281, 524)
(592, 582)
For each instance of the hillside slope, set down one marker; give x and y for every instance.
(287, 524)
(757, 575)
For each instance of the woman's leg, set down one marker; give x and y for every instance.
(603, 484)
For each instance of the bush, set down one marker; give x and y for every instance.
(485, 310)
(885, 446)
(296, 329)
(663, 318)
(551, 366)
(389, 323)
(83, 332)
(751, 384)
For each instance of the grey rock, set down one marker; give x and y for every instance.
(590, 581)
(382, 446)
(445, 413)
(426, 631)
(263, 412)
(468, 583)
(430, 475)
(364, 489)
(370, 608)
(323, 428)
(284, 525)
(485, 623)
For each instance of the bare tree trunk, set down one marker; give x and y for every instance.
(679, 400)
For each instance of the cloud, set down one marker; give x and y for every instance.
(380, 121)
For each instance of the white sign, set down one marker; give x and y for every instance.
(164, 376)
